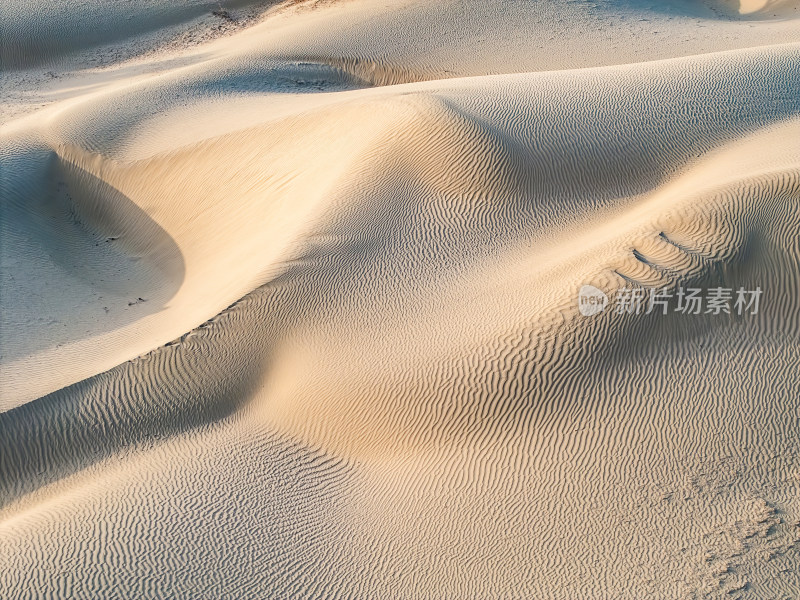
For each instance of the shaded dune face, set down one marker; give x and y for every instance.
(392, 392)
(65, 224)
(503, 341)
(37, 33)
(102, 214)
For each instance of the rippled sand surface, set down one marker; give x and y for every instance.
(290, 299)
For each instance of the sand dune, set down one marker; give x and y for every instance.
(290, 311)
(37, 32)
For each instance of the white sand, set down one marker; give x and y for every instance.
(372, 219)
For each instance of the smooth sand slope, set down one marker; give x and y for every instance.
(293, 312)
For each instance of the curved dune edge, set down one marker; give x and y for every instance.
(184, 191)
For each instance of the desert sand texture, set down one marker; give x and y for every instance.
(290, 299)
